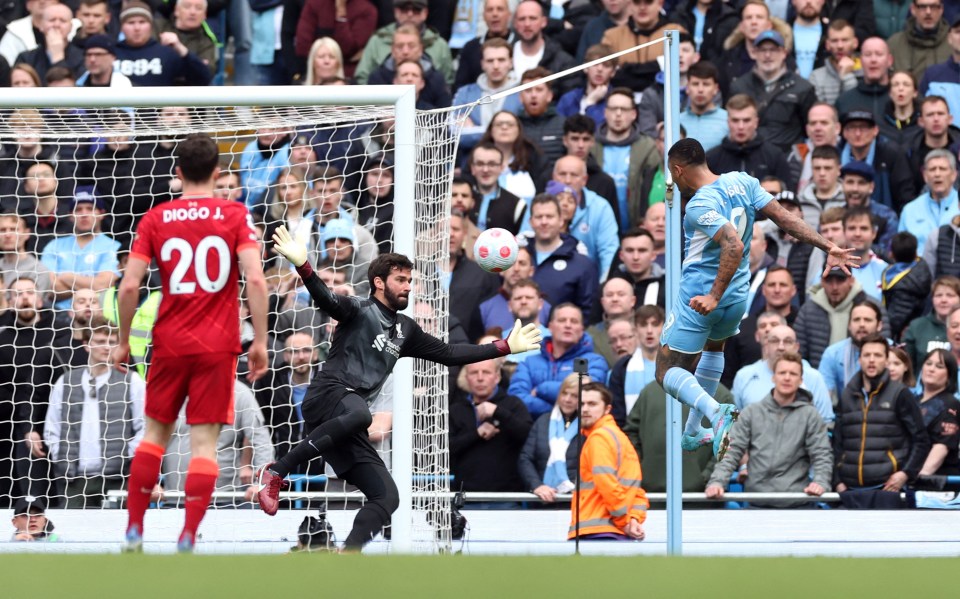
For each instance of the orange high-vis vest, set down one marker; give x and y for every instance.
(610, 492)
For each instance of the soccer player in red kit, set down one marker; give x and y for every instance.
(198, 241)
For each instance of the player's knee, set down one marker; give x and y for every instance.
(391, 500)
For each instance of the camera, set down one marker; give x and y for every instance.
(581, 366)
(316, 534)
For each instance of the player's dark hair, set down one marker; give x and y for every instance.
(903, 247)
(866, 303)
(646, 312)
(198, 156)
(579, 123)
(600, 388)
(826, 152)
(687, 152)
(384, 264)
(704, 70)
(881, 340)
(858, 212)
(949, 361)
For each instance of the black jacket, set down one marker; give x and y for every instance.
(893, 186)
(546, 131)
(491, 465)
(879, 436)
(866, 96)
(783, 108)
(906, 297)
(756, 157)
(470, 286)
(917, 150)
(721, 20)
(39, 60)
(435, 90)
(506, 211)
(556, 59)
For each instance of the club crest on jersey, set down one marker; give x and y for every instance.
(399, 332)
(708, 218)
(381, 343)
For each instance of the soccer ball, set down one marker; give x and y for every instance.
(495, 250)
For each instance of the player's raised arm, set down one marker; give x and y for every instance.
(426, 346)
(844, 258)
(295, 251)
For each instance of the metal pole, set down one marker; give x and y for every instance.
(405, 180)
(576, 519)
(671, 133)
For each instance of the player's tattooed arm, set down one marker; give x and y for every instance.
(795, 225)
(731, 254)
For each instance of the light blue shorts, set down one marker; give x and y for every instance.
(687, 332)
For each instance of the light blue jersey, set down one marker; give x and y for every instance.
(734, 198)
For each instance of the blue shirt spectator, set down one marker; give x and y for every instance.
(938, 205)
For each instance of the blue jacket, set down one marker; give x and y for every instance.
(567, 275)
(569, 105)
(595, 225)
(544, 374)
(923, 216)
(943, 80)
(259, 170)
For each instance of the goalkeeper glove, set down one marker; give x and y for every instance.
(293, 249)
(524, 339)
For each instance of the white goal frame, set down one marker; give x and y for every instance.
(401, 97)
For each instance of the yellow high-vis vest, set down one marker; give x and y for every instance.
(141, 328)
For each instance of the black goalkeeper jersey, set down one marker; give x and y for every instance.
(368, 341)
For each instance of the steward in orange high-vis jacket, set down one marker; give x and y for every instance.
(612, 503)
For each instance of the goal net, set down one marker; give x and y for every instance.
(359, 171)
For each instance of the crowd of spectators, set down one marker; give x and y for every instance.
(842, 108)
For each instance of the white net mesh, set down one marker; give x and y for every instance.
(60, 267)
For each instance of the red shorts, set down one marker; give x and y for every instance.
(207, 379)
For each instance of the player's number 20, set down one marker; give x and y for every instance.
(198, 259)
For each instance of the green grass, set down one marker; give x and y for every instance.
(458, 577)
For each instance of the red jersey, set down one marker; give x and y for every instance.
(195, 243)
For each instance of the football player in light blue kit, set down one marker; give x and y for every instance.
(714, 282)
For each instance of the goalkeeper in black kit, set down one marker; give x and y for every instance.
(369, 339)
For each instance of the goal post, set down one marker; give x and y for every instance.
(423, 148)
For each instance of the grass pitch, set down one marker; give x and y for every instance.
(459, 577)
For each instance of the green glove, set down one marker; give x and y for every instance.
(524, 339)
(294, 250)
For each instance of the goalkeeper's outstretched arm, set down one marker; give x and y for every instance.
(426, 346)
(295, 250)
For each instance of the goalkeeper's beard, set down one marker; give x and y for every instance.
(394, 301)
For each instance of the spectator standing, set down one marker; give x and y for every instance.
(937, 206)
(525, 306)
(709, 22)
(148, 62)
(94, 422)
(407, 44)
(188, 23)
(860, 232)
(739, 53)
(614, 14)
(496, 76)
(497, 207)
(744, 149)
(497, 18)
(879, 438)
(893, 184)
(563, 272)
(534, 49)
(943, 79)
(628, 155)
(703, 118)
(579, 137)
(841, 360)
(872, 91)
(636, 256)
(783, 97)
(99, 55)
(905, 284)
(645, 23)
(537, 379)
(54, 48)
(929, 332)
(839, 71)
(824, 190)
(823, 129)
(901, 118)
(939, 408)
(496, 311)
(548, 460)
(858, 186)
(823, 318)
(617, 302)
(923, 41)
(378, 48)
(350, 24)
(611, 504)
(88, 258)
(488, 428)
(785, 439)
(540, 120)
(261, 162)
(753, 382)
(15, 260)
(632, 373)
(936, 132)
(937, 250)
(650, 102)
(21, 34)
(591, 99)
(468, 284)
